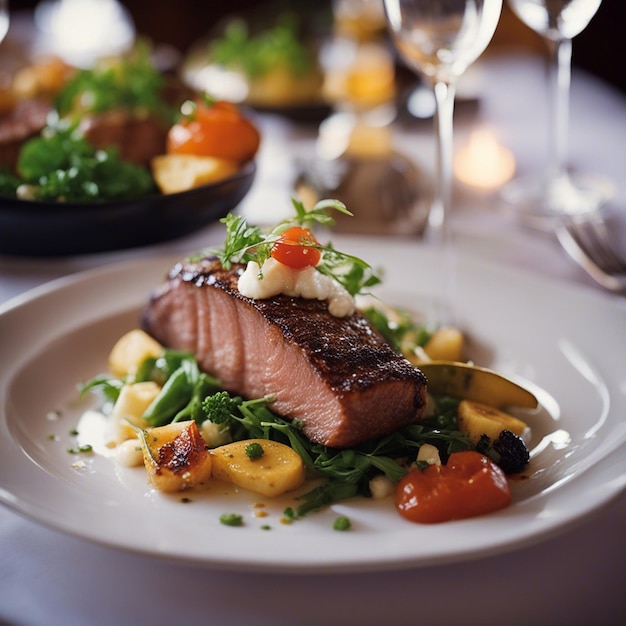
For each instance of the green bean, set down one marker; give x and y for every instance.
(174, 395)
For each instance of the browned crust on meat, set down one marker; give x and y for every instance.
(368, 389)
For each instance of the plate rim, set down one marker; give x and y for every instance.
(45, 207)
(75, 281)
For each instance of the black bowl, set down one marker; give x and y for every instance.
(39, 229)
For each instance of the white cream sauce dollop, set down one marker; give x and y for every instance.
(306, 283)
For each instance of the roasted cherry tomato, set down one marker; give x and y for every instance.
(469, 485)
(294, 248)
(215, 129)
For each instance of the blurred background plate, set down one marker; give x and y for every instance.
(265, 57)
(55, 229)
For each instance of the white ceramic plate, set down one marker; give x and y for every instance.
(567, 344)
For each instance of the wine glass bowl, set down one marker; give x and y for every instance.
(4, 19)
(440, 39)
(556, 19)
(541, 200)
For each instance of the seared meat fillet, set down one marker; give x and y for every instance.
(337, 375)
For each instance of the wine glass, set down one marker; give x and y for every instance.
(440, 39)
(4, 18)
(540, 200)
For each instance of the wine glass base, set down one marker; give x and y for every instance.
(539, 203)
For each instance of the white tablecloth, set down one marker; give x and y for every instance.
(573, 578)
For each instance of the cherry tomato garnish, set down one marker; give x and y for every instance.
(469, 485)
(294, 248)
(215, 129)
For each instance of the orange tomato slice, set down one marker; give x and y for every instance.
(295, 248)
(215, 129)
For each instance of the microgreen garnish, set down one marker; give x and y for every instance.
(245, 243)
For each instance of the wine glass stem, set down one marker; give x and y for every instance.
(561, 70)
(439, 217)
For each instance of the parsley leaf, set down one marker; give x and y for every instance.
(241, 238)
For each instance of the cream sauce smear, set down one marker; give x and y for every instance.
(275, 278)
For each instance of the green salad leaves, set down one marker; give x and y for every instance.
(133, 84)
(60, 165)
(255, 54)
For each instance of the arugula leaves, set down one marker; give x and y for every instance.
(347, 472)
(244, 243)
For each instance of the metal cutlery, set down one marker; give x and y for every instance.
(587, 240)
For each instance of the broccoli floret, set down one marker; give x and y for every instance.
(514, 455)
(220, 406)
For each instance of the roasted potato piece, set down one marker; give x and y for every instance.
(445, 344)
(175, 456)
(277, 470)
(131, 350)
(174, 173)
(129, 407)
(478, 419)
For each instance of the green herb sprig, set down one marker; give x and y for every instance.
(183, 387)
(245, 243)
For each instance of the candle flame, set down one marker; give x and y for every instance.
(483, 162)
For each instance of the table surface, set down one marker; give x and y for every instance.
(573, 578)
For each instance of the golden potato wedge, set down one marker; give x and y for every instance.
(174, 173)
(130, 350)
(476, 419)
(175, 456)
(129, 407)
(445, 344)
(278, 470)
